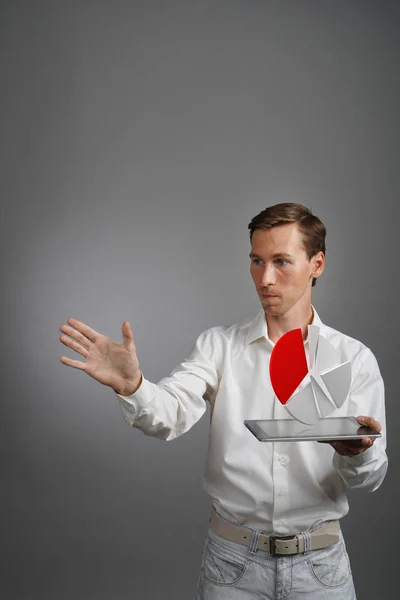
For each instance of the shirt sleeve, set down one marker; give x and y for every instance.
(367, 397)
(172, 406)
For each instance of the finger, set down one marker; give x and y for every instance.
(87, 331)
(370, 422)
(346, 448)
(358, 443)
(74, 333)
(336, 444)
(350, 447)
(74, 345)
(76, 364)
(367, 442)
(339, 446)
(354, 447)
(128, 336)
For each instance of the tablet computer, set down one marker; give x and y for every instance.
(291, 430)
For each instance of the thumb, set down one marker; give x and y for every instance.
(128, 336)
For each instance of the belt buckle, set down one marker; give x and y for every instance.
(281, 538)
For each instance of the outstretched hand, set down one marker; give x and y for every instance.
(355, 447)
(108, 362)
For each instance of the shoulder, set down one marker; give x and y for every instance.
(227, 335)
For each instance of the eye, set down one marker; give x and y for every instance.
(281, 261)
(256, 261)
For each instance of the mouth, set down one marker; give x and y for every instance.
(269, 295)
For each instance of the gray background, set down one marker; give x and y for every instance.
(138, 139)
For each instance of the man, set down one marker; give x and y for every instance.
(260, 491)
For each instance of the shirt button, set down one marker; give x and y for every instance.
(279, 523)
(281, 459)
(281, 493)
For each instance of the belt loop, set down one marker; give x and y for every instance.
(254, 542)
(307, 542)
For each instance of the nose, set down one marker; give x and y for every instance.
(268, 276)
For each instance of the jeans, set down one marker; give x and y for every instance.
(230, 571)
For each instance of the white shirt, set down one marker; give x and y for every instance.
(276, 487)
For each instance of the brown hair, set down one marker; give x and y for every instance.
(312, 229)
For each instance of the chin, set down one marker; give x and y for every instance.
(273, 310)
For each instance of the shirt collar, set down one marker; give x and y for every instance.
(258, 326)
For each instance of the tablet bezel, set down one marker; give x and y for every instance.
(259, 428)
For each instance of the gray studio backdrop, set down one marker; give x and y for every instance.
(137, 141)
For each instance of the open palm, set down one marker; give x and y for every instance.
(112, 364)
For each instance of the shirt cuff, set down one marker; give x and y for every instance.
(132, 405)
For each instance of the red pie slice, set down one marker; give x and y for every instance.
(288, 365)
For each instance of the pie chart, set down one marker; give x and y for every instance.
(310, 385)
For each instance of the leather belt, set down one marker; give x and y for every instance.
(277, 545)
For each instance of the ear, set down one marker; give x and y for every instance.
(317, 264)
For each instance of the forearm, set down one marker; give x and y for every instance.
(162, 412)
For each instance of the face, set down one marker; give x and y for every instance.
(281, 270)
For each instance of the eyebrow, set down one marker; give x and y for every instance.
(276, 255)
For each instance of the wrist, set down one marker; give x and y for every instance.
(130, 387)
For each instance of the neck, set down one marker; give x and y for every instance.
(295, 318)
